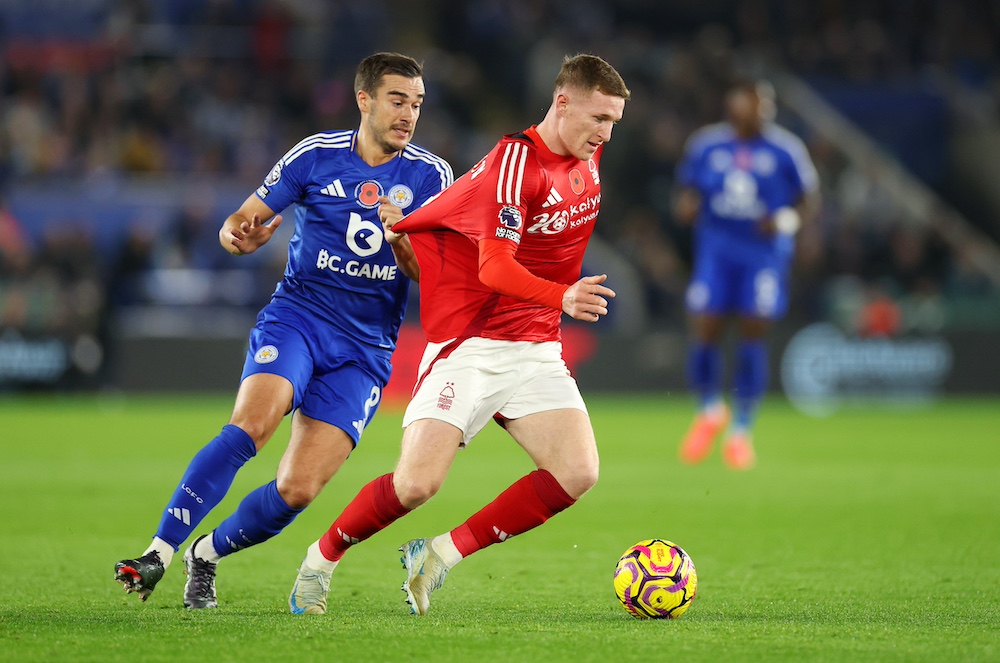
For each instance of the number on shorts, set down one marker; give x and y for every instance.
(372, 401)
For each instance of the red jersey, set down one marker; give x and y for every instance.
(523, 193)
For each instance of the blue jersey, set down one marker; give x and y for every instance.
(340, 268)
(742, 181)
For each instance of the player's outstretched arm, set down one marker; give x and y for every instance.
(402, 251)
(247, 229)
(584, 300)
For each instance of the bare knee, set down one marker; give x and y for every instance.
(260, 429)
(413, 492)
(708, 328)
(298, 494)
(576, 481)
(261, 403)
(429, 448)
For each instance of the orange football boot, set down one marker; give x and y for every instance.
(737, 451)
(700, 437)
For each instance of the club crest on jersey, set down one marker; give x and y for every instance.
(368, 193)
(576, 181)
(447, 396)
(593, 172)
(275, 174)
(266, 354)
(401, 196)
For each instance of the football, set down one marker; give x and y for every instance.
(656, 579)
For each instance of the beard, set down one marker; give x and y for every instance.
(388, 143)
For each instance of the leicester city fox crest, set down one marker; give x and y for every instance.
(401, 196)
(266, 354)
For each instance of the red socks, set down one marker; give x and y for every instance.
(374, 508)
(528, 503)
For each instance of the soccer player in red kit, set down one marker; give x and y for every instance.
(500, 254)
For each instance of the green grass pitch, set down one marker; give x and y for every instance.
(871, 535)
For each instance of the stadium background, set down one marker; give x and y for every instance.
(128, 130)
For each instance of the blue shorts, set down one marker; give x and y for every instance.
(336, 378)
(754, 286)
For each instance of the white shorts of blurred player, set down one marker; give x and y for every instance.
(466, 383)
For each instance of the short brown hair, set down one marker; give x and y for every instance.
(589, 72)
(375, 66)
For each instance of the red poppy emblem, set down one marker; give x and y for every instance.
(368, 194)
(576, 181)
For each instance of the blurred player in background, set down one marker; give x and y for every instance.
(322, 346)
(500, 255)
(746, 185)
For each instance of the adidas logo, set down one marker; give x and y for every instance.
(334, 189)
(180, 514)
(502, 535)
(553, 199)
(346, 538)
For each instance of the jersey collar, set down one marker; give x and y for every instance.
(543, 150)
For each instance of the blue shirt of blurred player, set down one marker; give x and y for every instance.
(741, 261)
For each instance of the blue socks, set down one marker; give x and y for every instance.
(750, 381)
(205, 483)
(705, 373)
(262, 514)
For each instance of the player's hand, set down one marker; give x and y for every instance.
(766, 227)
(783, 221)
(248, 236)
(389, 215)
(587, 299)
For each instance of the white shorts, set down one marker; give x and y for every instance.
(469, 382)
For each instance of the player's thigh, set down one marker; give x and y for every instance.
(277, 368)
(428, 450)
(708, 327)
(754, 328)
(315, 452)
(547, 416)
(465, 384)
(262, 402)
(561, 442)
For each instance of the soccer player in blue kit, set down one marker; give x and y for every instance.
(321, 348)
(746, 185)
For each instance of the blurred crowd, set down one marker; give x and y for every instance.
(219, 89)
